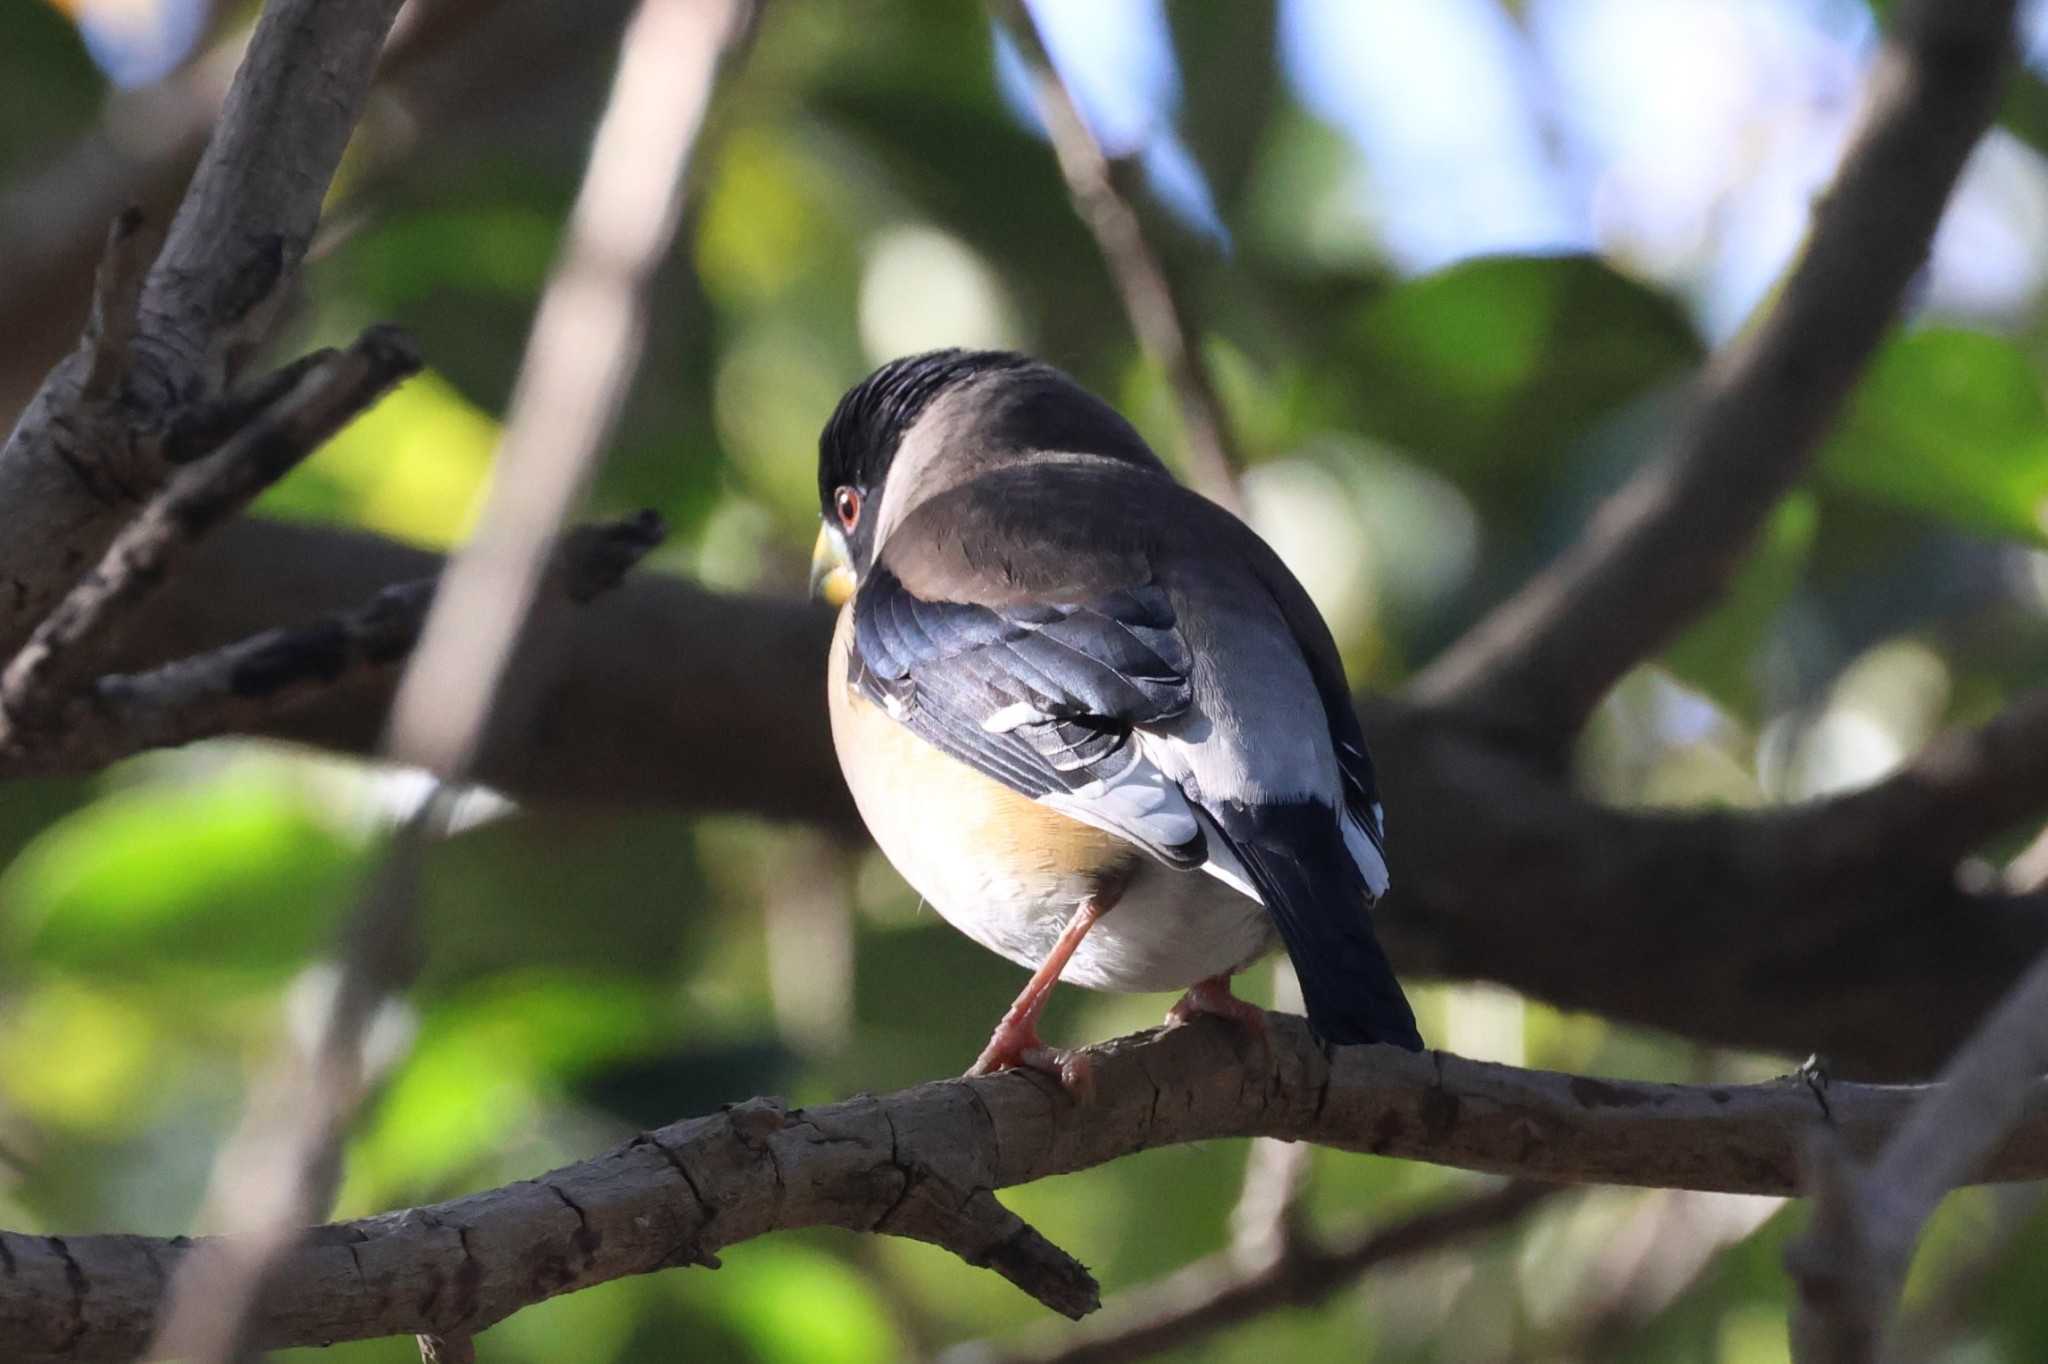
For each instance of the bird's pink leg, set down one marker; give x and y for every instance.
(1015, 1041)
(1212, 996)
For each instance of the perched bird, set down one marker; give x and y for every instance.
(1086, 712)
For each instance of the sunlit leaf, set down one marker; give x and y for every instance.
(74, 1055)
(840, 1319)
(489, 1061)
(412, 467)
(233, 874)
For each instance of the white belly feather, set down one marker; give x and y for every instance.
(1009, 872)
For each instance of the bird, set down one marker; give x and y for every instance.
(1087, 713)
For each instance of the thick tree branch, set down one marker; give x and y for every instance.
(1667, 544)
(921, 1161)
(254, 682)
(88, 447)
(70, 644)
(1157, 314)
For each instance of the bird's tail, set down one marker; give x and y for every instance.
(1317, 896)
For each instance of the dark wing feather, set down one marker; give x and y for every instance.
(1040, 696)
(1316, 893)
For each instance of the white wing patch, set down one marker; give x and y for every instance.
(1224, 866)
(1142, 803)
(1011, 716)
(1139, 803)
(1364, 848)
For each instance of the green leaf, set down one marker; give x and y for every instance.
(1488, 369)
(840, 1318)
(413, 466)
(1720, 653)
(1949, 424)
(237, 874)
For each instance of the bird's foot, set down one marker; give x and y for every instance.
(1016, 1046)
(1212, 996)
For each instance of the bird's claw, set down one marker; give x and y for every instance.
(1020, 1049)
(1213, 996)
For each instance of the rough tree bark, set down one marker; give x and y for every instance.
(922, 1163)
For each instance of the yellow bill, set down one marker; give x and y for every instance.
(831, 571)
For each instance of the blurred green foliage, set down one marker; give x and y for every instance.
(1418, 445)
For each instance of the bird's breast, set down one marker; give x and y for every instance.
(1009, 872)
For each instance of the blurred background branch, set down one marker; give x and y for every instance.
(1868, 1214)
(1224, 1290)
(1669, 543)
(1157, 314)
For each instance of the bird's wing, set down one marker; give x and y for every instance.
(1126, 652)
(1044, 696)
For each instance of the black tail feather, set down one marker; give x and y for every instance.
(1296, 857)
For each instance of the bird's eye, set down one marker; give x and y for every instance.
(846, 504)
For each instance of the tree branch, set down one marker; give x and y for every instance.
(254, 682)
(1157, 315)
(1668, 543)
(902, 1163)
(1851, 1264)
(50, 220)
(1225, 1290)
(1963, 788)
(87, 447)
(69, 645)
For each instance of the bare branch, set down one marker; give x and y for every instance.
(67, 648)
(51, 219)
(1667, 544)
(1225, 1290)
(1157, 315)
(79, 461)
(1852, 1262)
(117, 302)
(678, 1195)
(241, 687)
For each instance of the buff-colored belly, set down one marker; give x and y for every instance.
(1009, 872)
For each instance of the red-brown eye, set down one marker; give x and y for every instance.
(846, 502)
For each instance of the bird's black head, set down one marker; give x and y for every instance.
(1020, 407)
(861, 438)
